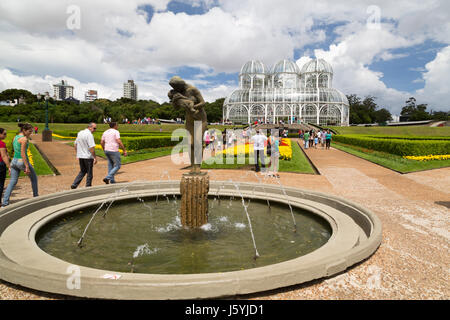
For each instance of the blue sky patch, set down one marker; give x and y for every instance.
(181, 7)
(147, 10)
(404, 73)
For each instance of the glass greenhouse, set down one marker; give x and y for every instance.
(287, 93)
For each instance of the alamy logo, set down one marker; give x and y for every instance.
(373, 21)
(74, 20)
(74, 280)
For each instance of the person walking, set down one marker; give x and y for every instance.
(322, 138)
(328, 139)
(4, 161)
(85, 150)
(207, 139)
(110, 143)
(316, 139)
(20, 162)
(275, 155)
(306, 138)
(259, 140)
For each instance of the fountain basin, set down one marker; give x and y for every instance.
(356, 234)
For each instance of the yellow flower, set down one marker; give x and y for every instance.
(429, 157)
(246, 149)
(99, 147)
(62, 137)
(30, 157)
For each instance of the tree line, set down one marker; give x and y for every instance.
(69, 112)
(362, 110)
(366, 111)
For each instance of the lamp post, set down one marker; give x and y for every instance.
(47, 133)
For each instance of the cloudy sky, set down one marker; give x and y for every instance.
(389, 49)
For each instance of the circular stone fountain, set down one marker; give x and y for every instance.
(354, 234)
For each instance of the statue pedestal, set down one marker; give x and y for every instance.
(194, 188)
(47, 135)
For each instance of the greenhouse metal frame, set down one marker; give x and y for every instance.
(287, 93)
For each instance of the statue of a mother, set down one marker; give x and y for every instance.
(194, 113)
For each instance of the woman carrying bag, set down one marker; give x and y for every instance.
(20, 162)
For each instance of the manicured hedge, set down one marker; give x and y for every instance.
(402, 147)
(138, 143)
(122, 134)
(134, 140)
(408, 137)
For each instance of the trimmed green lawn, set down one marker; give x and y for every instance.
(40, 165)
(298, 164)
(167, 128)
(391, 161)
(395, 131)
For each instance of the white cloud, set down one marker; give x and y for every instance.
(37, 84)
(436, 91)
(35, 41)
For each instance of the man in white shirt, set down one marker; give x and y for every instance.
(85, 149)
(259, 141)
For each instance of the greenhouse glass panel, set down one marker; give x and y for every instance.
(309, 114)
(330, 115)
(238, 114)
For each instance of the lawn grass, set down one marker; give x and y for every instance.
(409, 131)
(298, 164)
(167, 128)
(391, 161)
(40, 165)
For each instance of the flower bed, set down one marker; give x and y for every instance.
(285, 149)
(429, 157)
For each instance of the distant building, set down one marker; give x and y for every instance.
(62, 91)
(90, 95)
(130, 90)
(72, 99)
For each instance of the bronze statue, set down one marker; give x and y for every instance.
(188, 97)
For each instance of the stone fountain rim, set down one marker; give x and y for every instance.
(150, 286)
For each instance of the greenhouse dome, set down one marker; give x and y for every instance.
(287, 93)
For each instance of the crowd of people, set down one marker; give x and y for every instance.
(313, 138)
(85, 153)
(111, 143)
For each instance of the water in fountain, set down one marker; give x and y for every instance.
(287, 199)
(248, 217)
(113, 196)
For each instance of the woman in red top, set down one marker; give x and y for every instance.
(4, 161)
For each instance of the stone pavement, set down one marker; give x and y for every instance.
(411, 263)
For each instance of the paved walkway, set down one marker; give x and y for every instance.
(412, 262)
